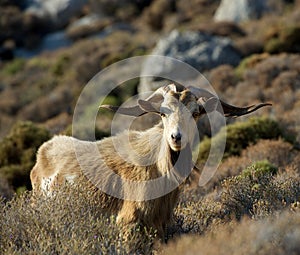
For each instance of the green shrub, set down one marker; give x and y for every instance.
(126, 52)
(111, 100)
(17, 175)
(240, 69)
(259, 169)
(249, 62)
(17, 152)
(14, 66)
(274, 45)
(6, 190)
(258, 191)
(38, 63)
(285, 39)
(61, 65)
(239, 135)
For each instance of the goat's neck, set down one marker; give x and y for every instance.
(174, 156)
(176, 163)
(182, 161)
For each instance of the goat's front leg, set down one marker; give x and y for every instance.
(127, 214)
(127, 220)
(132, 215)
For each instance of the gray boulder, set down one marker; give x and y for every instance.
(241, 10)
(57, 12)
(200, 50)
(50, 42)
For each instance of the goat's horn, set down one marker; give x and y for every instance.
(233, 111)
(131, 111)
(228, 110)
(136, 111)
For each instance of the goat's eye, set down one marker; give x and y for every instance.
(162, 114)
(196, 114)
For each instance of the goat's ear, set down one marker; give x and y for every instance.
(148, 106)
(109, 107)
(209, 105)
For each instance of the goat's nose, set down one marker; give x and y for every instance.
(176, 137)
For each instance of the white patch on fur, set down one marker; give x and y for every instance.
(47, 183)
(71, 178)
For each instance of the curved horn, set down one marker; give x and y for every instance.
(228, 110)
(156, 97)
(233, 111)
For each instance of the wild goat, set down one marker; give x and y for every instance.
(167, 145)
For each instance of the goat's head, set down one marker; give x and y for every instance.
(181, 110)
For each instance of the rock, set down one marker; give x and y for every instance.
(200, 50)
(58, 12)
(119, 26)
(248, 46)
(55, 41)
(50, 42)
(223, 28)
(241, 10)
(87, 25)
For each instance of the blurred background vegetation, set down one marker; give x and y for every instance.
(45, 62)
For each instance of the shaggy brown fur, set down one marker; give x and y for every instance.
(57, 161)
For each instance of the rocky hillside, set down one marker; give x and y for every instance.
(247, 50)
(48, 60)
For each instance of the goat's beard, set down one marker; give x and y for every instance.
(182, 161)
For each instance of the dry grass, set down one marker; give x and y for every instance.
(257, 192)
(277, 152)
(275, 235)
(71, 221)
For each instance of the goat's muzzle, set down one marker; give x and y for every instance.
(176, 138)
(176, 141)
